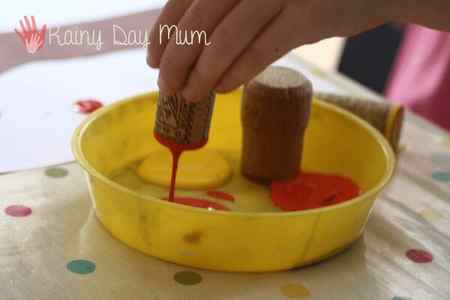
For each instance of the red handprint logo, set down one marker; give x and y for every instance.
(32, 38)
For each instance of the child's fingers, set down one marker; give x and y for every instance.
(171, 14)
(33, 23)
(230, 38)
(42, 35)
(20, 34)
(22, 26)
(27, 22)
(43, 31)
(199, 21)
(274, 42)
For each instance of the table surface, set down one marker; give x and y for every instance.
(52, 246)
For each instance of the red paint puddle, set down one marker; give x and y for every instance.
(88, 106)
(220, 195)
(176, 150)
(18, 211)
(201, 203)
(312, 190)
(419, 256)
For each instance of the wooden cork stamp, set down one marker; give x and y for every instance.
(275, 112)
(386, 117)
(181, 122)
(182, 126)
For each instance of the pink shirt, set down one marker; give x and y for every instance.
(420, 78)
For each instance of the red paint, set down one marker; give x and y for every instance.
(88, 106)
(176, 150)
(220, 195)
(201, 203)
(312, 190)
(18, 211)
(419, 256)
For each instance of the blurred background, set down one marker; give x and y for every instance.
(367, 58)
(408, 64)
(352, 56)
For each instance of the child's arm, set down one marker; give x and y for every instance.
(245, 36)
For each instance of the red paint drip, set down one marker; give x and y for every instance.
(18, 211)
(220, 195)
(176, 150)
(175, 158)
(88, 106)
(201, 203)
(312, 190)
(419, 256)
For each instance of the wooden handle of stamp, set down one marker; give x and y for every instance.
(274, 113)
(384, 116)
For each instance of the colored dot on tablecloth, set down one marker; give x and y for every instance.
(419, 256)
(431, 215)
(402, 148)
(18, 211)
(440, 158)
(294, 291)
(81, 266)
(441, 176)
(445, 141)
(187, 277)
(56, 172)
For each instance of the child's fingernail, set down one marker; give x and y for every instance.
(149, 62)
(188, 94)
(162, 85)
(220, 87)
(152, 62)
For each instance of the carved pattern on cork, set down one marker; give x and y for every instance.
(183, 122)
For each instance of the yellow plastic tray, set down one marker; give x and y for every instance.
(336, 142)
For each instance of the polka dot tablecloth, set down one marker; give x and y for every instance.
(53, 247)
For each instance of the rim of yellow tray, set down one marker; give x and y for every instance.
(79, 156)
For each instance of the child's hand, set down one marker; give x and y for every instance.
(246, 36)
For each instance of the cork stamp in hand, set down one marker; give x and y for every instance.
(183, 122)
